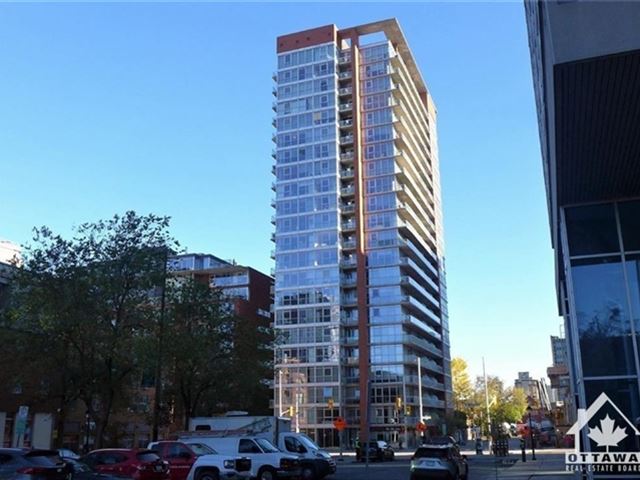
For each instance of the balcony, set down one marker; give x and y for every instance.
(347, 173)
(273, 254)
(273, 186)
(348, 263)
(273, 237)
(352, 341)
(274, 76)
(273, 219)
(348, 319)
(344, 59)
(433, 402)
(274, 92)
(273, 169)
(345, 91)
(346, 140)
(274, 138)
(274, 106)
(347, 156)
(348, 191)
(348, 280)
(273, 203)
(346, 123)
(274, 154)
(348, 226)
(349, 300)
(422, 344)
(349, 208)
(349, 245)
(351, 361)
(345, 75)
(345, 107)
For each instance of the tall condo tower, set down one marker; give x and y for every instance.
(360, 291)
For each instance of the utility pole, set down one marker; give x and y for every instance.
(280, 411)
(486, 399)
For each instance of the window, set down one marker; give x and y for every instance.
(248, 446)
(603, 317)
(630, 224)
(592, 230)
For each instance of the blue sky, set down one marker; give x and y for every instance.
(166, 108)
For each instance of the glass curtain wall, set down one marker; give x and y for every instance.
(307, 281)
(604, 265)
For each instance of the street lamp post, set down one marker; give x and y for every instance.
(533, 448)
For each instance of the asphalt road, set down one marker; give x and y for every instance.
(549, 466)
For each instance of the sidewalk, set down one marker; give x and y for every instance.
(549, 465)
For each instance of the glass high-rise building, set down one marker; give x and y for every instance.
(360, 292)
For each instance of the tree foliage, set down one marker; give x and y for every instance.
(81, 305)
(462, 388)
(505, 404)
(90, 317)
(198, 334)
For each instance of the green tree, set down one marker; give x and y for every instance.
(84, 304)
(199, 344)
(512, 406)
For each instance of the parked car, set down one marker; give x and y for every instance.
(378, 450)
(197, 461)
(440, 459)
(82, 471)
(132, 463)
(24, 464)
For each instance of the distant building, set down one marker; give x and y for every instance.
(9, 251)
(559, 350)
(247, 289)
(562, 404)
(537, 391)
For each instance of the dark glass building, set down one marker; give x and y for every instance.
(586, 72)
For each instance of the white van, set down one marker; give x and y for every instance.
(267, 462)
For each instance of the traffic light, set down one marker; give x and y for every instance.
(407, 410)
(398, 403)
(330, 403)
(291, 411)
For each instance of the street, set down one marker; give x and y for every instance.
(549, 464)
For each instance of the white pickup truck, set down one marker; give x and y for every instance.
(314, 463)
(267, 462)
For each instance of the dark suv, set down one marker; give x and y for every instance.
(24, 464)
(439, 459)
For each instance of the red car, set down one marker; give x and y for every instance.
(181, 456)
(124, 462)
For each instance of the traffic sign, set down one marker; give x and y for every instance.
(340, 424)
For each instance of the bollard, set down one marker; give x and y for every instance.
(524, 453)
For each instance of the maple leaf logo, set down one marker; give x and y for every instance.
(608, 435)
